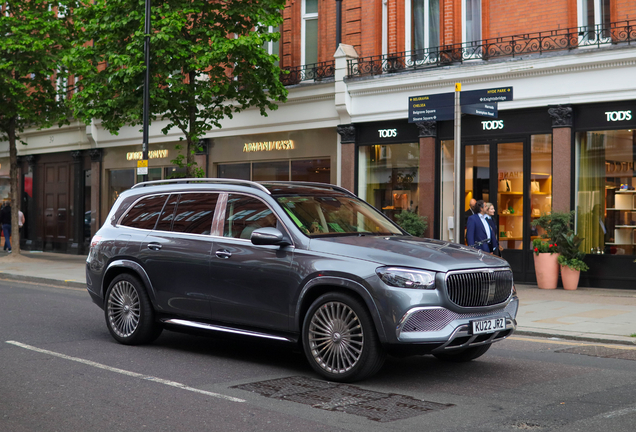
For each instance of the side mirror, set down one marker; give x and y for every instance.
(268, 236)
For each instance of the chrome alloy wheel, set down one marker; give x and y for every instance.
(123, 309)
(336, 337)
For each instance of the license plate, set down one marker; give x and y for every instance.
(489, 325)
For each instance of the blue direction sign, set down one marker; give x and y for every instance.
(435, 107)
(501, 94)
(484, 110)
(431, 114)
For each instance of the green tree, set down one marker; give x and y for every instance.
(207, 63)
(33, 86)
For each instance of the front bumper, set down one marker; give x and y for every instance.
(452, 330)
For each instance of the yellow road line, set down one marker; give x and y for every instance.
(553, 342)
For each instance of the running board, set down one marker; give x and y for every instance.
(212, 327)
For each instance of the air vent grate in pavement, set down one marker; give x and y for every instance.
(376, 406)
(601, 351)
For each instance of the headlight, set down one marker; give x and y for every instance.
(407, 278)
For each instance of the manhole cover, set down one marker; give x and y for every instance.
(376, 406)
(601, 351)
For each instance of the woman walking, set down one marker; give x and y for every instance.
(5, 220)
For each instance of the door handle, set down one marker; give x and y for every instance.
(223, 254)
(154, 246)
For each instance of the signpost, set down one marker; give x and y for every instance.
(449, 106)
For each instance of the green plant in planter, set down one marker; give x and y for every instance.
(412, 223)
(555, 224)
(543, 246)
(571, 256)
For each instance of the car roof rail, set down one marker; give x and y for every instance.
(316, 184)
(204, 180)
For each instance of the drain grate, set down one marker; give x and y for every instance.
(376, 406)
(601, 351)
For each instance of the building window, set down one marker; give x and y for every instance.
(606, 196)
(118, 182)
(594, 20)
(272, 47)
(388, 177)
(471, 21)
(309, 32)
(425, 25)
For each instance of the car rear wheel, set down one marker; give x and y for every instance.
(129, 313)
(464, 355)
(340, 340)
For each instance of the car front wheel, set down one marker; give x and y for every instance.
(340, 340)
(129, 313)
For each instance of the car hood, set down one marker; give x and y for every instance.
(407, 251)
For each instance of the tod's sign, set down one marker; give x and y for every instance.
(614, 116)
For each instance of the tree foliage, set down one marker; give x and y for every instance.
(34, 40)
(207, 63)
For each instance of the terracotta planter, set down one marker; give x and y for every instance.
(570, 278)
(546, 268)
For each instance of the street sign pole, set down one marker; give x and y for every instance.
(146, 101)
(458, 151)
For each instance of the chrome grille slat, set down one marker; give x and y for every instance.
(479, 287)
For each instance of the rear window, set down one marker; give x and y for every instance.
(145, 212)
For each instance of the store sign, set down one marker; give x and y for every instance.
(491, 125)
(387, 133)
(614, 116)
(268, 146)
(152, 154)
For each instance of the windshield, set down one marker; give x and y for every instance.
(335, 215)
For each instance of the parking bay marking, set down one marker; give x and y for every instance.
(125, 372)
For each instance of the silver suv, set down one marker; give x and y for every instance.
(300, 262)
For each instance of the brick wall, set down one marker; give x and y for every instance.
(505, 17)
(625, 10)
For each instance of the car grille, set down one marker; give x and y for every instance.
(435, 319)
(480, 287)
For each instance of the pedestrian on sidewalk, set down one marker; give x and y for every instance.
(5, 220)
(490, 217)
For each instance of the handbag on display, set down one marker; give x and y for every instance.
(534, 186)
(504, 185)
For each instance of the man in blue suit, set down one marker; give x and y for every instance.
(478, 230)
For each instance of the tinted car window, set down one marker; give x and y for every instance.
(144, 214)
(245, 214)
(194, 213)
(167, 215)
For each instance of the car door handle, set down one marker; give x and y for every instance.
(154, 246)
(223, 254)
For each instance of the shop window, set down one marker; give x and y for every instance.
(194, 213)
(119, 181)
(314, 170)
(174, 172)
(309, 32)
(264, 171)
(425, 26)
(388, 177)
(510, 194)
(540, 179)
(144, 214)
(153, 174)
(234, 171)
(244, 214)
(605, 191)
(447, 189)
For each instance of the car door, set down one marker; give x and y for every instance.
(250, 285)
(176, 254)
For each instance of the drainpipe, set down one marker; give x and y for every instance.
(338, 23)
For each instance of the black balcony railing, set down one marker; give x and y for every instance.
(308, 72)
(506, 46)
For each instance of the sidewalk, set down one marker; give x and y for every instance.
(588, 314)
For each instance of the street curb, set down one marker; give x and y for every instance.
(47, 281)
(575, 338)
